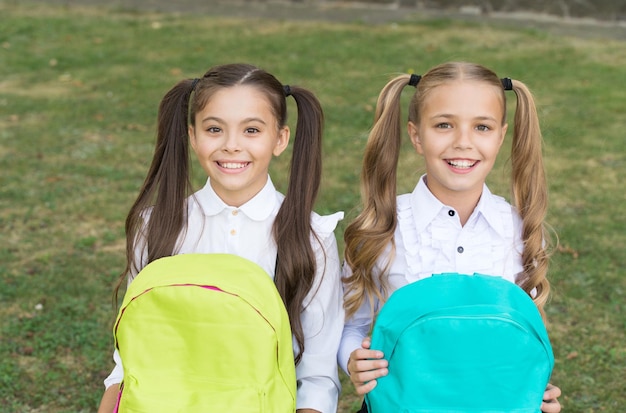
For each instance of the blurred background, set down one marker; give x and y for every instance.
(80, 84)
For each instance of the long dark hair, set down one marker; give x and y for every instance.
(167, 185)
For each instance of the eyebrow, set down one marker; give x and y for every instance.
(449, 115)
(486, 118)
(220, 120)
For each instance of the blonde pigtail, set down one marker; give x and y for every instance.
(373, 229)
(530, 195)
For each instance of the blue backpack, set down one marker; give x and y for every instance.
(205, 333)
(460, 344)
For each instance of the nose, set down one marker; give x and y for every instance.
(231, 143)
(463, 138)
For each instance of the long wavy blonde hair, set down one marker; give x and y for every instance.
(367, 237)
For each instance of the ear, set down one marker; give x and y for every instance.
(192, 136)
(282, 141)
(504, 129)
(415, 138)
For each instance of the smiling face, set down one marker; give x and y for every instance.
(459, 134)
(234, 137)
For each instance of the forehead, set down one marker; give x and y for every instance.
(238, 93)
(464, 96)
(239, 101)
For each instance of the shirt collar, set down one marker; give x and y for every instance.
(487, 208)
(259, 208)
(427, 207)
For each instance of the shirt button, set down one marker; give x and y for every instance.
(451, 213)
(233, 232)
(460, 250)
(235, 212)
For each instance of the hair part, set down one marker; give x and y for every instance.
(375, 225)
(167, 185)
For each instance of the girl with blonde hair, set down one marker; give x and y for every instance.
(451, 222)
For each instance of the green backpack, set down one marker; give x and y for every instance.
(460, 344)
(204, 333)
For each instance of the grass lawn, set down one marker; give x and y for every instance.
(79, 91)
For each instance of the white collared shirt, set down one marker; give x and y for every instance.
(214, 227)
(430, 239)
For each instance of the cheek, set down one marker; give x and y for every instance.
(492, 149)
(204, 147)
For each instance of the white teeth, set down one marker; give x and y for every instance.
(461, 163)
(233, 165)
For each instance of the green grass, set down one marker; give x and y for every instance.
(79, 90)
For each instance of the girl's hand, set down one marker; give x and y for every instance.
(550, 403)
(365, 366)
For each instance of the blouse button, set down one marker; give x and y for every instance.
(460, 250)
(233, 232)
(235, 212)
(451, 213)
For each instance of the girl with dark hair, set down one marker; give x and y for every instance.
(234, 118)
(451, 222)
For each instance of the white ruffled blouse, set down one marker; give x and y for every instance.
(430, 240)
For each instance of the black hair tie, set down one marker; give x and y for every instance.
(414, 80)
(287, 90)
(194, 83)
(507, 83)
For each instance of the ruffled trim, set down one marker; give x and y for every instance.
(431, 252)
(325, 225)
(408, 231)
